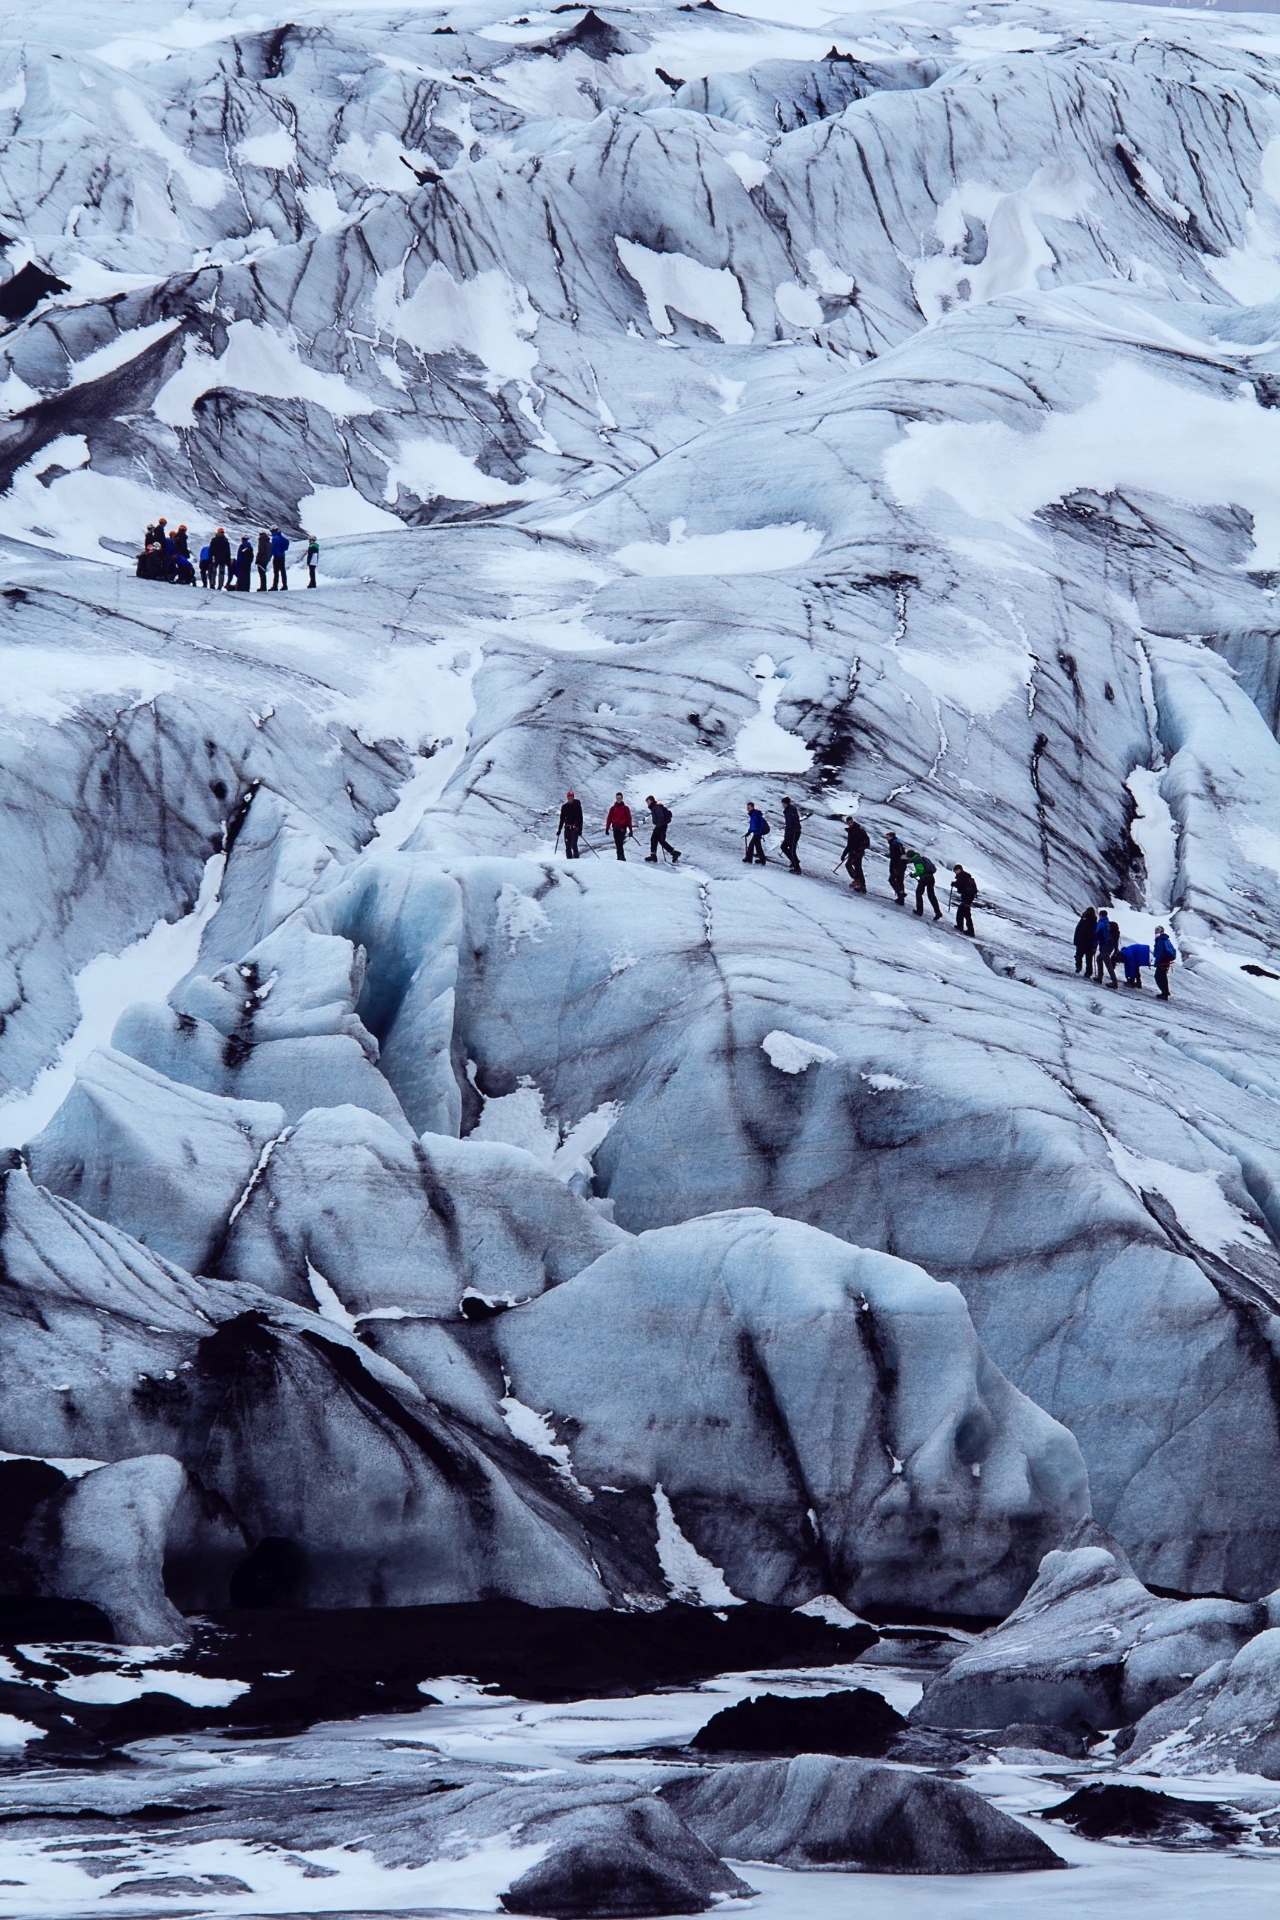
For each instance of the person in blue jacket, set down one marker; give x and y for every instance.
(1165, 953)
(279, 570)
(1107, 945)
(1136, 956)
(757, 827)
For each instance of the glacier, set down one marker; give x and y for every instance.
(876, 408)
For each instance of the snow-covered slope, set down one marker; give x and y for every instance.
(882, 412)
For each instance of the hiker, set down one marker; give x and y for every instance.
(204, 565)
(661, 818)
(244, 565)
(1107, 945)
(922, 872)
(1136, 956)
(898, 857)
(184, 574)
(570, 825)
(618, 822)
(219, 559)
(181, 550)
(856, 842)
(262, 557)
(1085, 938)
(313, 558)
(791, 831)
(279, 570)
(757, 827)
(1164, 953)
(966, 893)
(150, 563)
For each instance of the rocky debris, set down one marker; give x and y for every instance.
(1025, 1737)
(636, 1858)
(1107, 1810)
(278, 1669)
(1089, 1648)
(558, 1845)
(818, 1812)
(1227, 1719)
(854, 1721)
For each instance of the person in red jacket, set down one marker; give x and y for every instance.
(618, 823)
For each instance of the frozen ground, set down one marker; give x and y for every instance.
(877, 407)
(73, 1873)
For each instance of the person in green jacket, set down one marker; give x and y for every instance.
(313, 558)
(922, 872)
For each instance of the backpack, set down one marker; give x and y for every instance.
(662, 818)
(764, 825)
(925, 866)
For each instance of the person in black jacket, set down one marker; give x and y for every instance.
(856, 842)
(791, 832)
(661, 818)
(262, 559)
(1086, 935)
(570, 825)
(897, 868)
(966, 893)
(220, 558)
(244, 564)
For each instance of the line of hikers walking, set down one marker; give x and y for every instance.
(1099, 943)
(903, 860)
(167, 556)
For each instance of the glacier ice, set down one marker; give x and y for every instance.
(880, 411)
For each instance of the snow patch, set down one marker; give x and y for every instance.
(709, 295)
(147, 971)
(488, 317)
(331, 512)
(1141, 431)
(688, 1576)
(328, 1305)
(433, 469)
(790, 1054)
(1016, 249)
(1202, 1208)
(521, 917)
(534, 1430)
(276, 150)
(762, 745)
(205, 186)
(113, 1689)
(740, 550)
(257, 360)
(119, 352)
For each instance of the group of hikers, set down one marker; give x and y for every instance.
(1100, 944)
(167, 556)
(1098, 939)
(903, 860)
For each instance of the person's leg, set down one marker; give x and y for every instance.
(262, 577)
(759, 846)
(571, 843)
(1162, 982)
(933, 902)
(311, 574)
(655, 841)
(619, 841)
(920, 898)
(967, 923)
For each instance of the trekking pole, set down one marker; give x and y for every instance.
(556, 847)
(950, 890)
